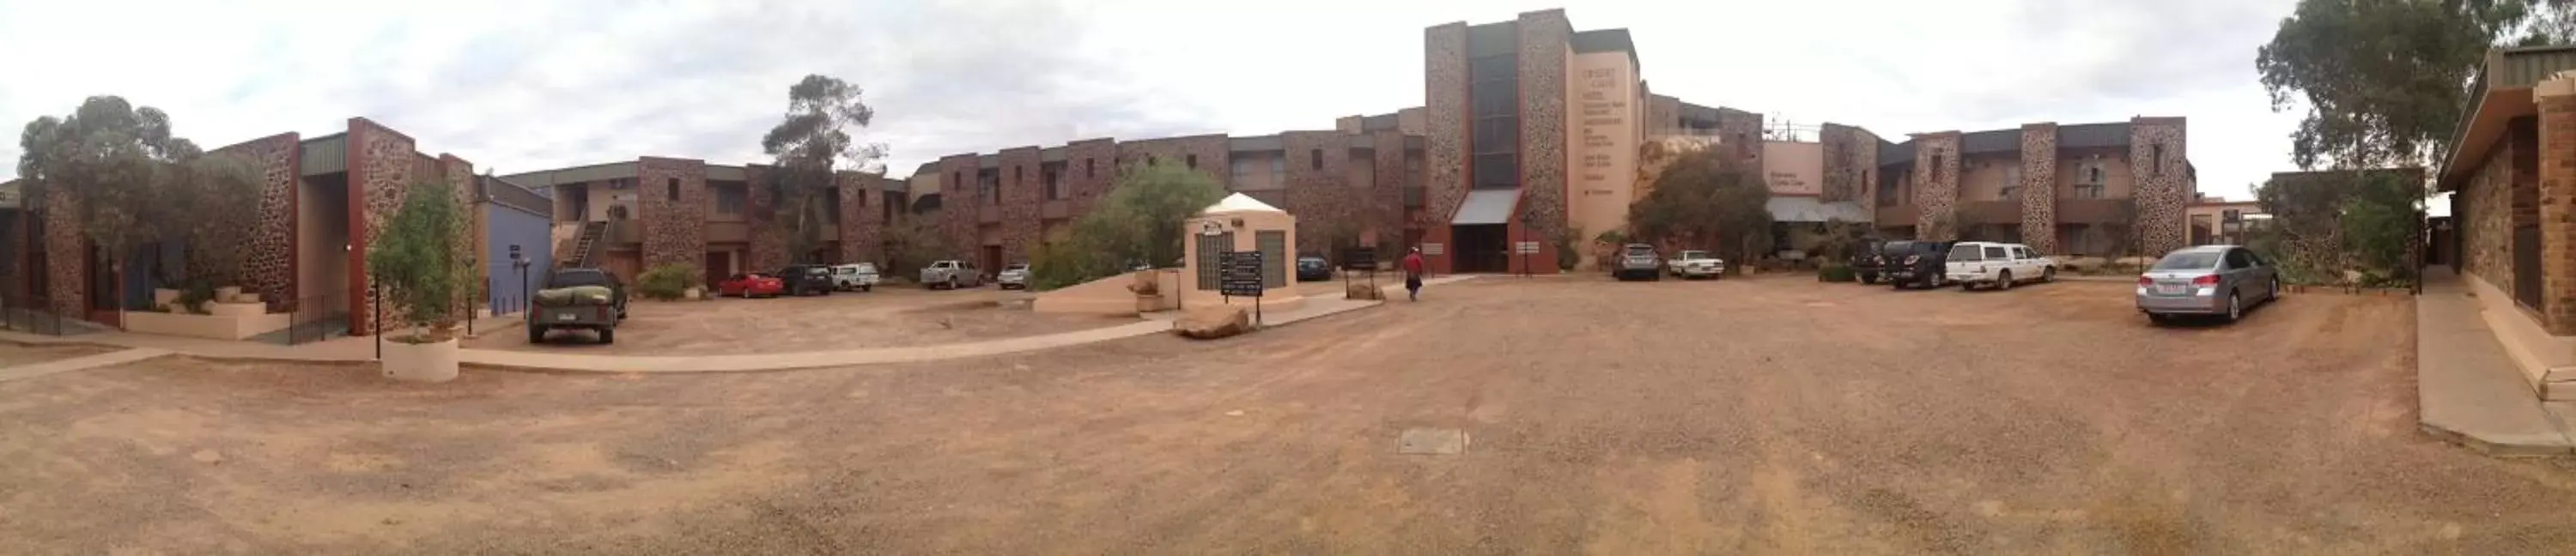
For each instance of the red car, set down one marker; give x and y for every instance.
(752, 285)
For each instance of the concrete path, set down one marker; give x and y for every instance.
(362, 349)
(2468, 389)
(77, 363)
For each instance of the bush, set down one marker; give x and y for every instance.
(1835, 273)
(666, 282)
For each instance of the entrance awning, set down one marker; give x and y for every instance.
(1811, 209)
(1486, 206)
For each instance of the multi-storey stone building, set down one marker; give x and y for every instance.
(2512, 169)
(2093, 189)
(630, 216)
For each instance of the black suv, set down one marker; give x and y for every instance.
(798, 279)
(1866, 262)
(1912, 263)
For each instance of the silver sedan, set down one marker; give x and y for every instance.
(2220, 280)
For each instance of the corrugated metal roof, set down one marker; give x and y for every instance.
(1487, 206)
(1811, 209)
(1895, 153)
(327, 154)
(1051, 154)
(727, 173)
(2108, 134)
(1991, 141)
(1255, 143)
(576, 174)
(502, 192)
(2525, 67)
(989, 162)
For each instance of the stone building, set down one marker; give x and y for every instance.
(2064, 189)
(2512, 169)
(629, 216)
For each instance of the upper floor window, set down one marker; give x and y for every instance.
(1090, 168)
(729, 199)
(673, 189)
(2088, 180)
(1052, 179)
(2011, 187)
(1315, 159)
(2159, 168)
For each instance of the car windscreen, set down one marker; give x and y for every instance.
(1966, 252)
(576, 278)
(2188, 261)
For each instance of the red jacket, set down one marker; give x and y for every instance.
(1413, 264)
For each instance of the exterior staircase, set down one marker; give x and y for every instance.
(585, 247)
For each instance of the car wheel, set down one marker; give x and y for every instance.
(1867, 279)
(2158, 319)
(608, 335)
(2272, 290)
(866, 288)
(2235, 308)
(2003, 281)
(536, 334)
(2048, 274)
(952, 282)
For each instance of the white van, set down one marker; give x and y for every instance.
(1982, 263)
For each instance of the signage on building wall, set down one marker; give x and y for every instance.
(1604, 111)
(1787, 181)
(1525, 247)
(1433, 249)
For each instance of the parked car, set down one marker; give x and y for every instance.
(861, 276)
(803, 279)
(579, 299)
(756, 284)
(1696, 264)
(1014, 276)
(1312, 268)
(1867, 263)
(1912, 263)
(2000, 265)
(2219, 280)
(1638, 260)
(951, 274)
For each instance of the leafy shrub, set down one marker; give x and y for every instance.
(666, 282)
(1835, 273)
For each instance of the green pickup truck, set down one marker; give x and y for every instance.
(578, 299)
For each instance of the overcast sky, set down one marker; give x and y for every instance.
(521, 85)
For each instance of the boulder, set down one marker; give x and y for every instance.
(1207, 323)
(1364, 291)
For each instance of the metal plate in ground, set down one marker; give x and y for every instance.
(1431, 441)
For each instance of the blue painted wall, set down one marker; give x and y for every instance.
(508, 226)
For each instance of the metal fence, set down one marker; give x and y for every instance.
(316, 318)
(35, 315)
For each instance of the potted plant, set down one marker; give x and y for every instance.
(417, 265)
(1149, 295)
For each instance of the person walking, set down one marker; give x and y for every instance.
(1413, 275)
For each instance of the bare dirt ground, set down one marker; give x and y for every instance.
(1773, 415)
(12, 355)
(886, 317)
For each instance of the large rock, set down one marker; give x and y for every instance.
(1364, 291)
(1213, 322)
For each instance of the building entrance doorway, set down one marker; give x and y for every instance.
(1479, 248)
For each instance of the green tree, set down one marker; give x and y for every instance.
(117, 161)
(912, 243)
(220, 197)
(1140, 221)
(1841, 238)
(414, 259)
(1705, 198)
(2384, 81)
(809, 147)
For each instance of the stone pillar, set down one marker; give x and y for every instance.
(1023, 179)
(381, 164)
(1936, 185)
(671, 199)
(1445, 104)
(2039, 186)
(1544, 55)
(2557, 103)
(2161, 188)
(66, 254)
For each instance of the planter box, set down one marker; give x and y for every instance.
(432, 362)
(217, 326)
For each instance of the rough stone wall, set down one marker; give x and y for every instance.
(1211, 150)
(1090, 167)
(381, 169)
(269, 266)
(1742, 132)
(1936, 186)
(2039, 186)
(1542, 89)
(64, 253)
(1842, 145)
(2557, 164)
(1445, 143)
(958, 205)
(1023, 185)
(1386, 197)
(1321, 198)
(2162, 192)
(675, 232)
(1411, 121)
(2486, 228)
(767, 230)
(862, 220)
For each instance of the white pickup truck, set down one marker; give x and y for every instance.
(1978, 263)
(860, 277)
(1696, 264)
(951, 274)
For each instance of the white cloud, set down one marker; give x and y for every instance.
(520, 85)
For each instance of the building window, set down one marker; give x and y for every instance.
(1016, 176)
(673, 189)
(1053, 180)
(1090, 168)
(1245, 170)
(2088, 181)
(1193, 161)
(1315, 159)
(2011, 187)
(729, 199)
(1493, 134)
(2159, 168)
(956, 180)
(990, 186)
(1938, 169)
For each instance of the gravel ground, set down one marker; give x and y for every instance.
(14, 354)
(886, 317)
(1741, 416)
